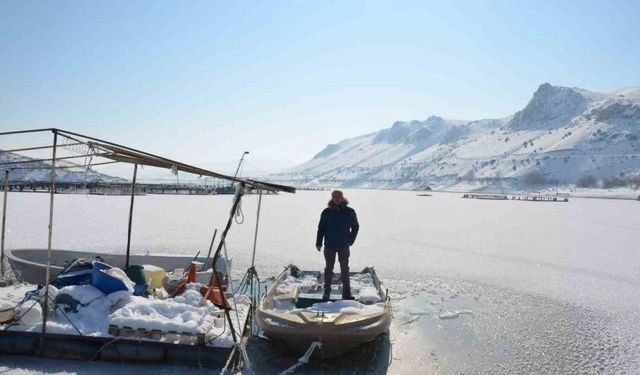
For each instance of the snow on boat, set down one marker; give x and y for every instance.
(292, 311)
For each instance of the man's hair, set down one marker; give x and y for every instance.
(344, 200)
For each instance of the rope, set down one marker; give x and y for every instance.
(226, 365)
(239, 215)
(239, 347)
(104, 346)
(248, 284)
(235, 304)
(18, 306)
(38, 300)
(304, 359)
(224, 329)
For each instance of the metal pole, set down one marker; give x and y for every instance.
(253, 261)
(255, 235)
(213, 239)
(216, 256)
(240, 164)
(4, 218)
(48, 272)
(133, 194)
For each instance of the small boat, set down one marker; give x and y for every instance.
(31, 264)
(292, 311)
(426, 192)
(7, 314)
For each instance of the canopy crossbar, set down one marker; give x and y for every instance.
(124, 154)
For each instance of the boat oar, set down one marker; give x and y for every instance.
(204, 267)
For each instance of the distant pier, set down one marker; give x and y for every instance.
(495, 197)
(104, 188)
(539, 198)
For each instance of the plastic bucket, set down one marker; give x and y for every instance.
(77, 277)
(103, 281)
(136, 274)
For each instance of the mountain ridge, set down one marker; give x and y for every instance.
(30, 170)
(562, 135)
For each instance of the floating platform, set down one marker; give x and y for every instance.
(495, 197)
(538, 198)
(127, 350)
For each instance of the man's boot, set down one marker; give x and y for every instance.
(346, 286)
(327, 286)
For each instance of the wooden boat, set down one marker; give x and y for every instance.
(292, 311)
(7, 314)
(31, 264)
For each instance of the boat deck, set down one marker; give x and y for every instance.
(312, 296)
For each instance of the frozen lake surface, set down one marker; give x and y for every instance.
(478, 286)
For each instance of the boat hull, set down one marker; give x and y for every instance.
(336, 340)
(31, 264)
(337, 332)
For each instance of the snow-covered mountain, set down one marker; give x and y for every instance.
(41, 172)
(562, 136)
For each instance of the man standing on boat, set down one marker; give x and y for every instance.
(338, 227)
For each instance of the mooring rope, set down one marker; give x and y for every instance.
(226, 263)
(304, 359)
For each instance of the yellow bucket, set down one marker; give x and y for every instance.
(155, 275)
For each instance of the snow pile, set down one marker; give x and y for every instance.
(84, 294)
(305, 284)
(192, 296)
(363, 289)
(165, 315)
(30, 313)
(120, 275)
(182, 314)
(343, 307)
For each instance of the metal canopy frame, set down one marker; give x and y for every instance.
(117, 153)
(124, 154)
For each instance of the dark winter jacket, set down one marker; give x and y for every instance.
(338, 226)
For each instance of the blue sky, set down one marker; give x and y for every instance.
(204, 81)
